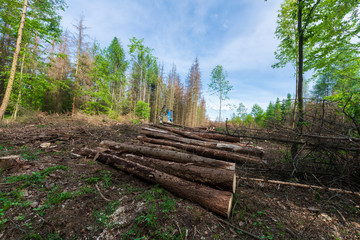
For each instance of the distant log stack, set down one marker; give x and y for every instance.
(183, 162)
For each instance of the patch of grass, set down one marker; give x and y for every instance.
(147, 225)
(104, 176)
(34, 178)
(5, 148)
(128, 188)
(102, 217)
(29, 155)
(9, 200)
(56, 195)
(53, 236)
(15, 199)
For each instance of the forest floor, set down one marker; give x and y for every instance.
(57, 194)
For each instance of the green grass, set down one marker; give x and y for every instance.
(35, 178)
(57, 195)
(29, 155)
(104, 176)
(102, 217)
(15, 199)
(148, 224)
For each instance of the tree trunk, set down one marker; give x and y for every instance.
(215, 200)
(6, 98)
(204, 151)
(166, 155)
(222, 146)
(220, 110)
(80, 28)
(20, 85)
(301, 64)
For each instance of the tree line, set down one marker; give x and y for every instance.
(57, 71)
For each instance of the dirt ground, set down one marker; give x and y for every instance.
(53, 193)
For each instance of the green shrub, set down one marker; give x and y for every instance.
(142, 110)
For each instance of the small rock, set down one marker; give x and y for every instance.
(45, 145)
(34, 204)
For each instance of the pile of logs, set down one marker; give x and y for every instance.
(190, 165)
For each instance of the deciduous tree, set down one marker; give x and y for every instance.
(219, 85)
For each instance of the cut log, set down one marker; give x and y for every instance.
(254, 151)
(218, 178)
(215, 200)
(168, 155)
(219, 137)
(181, 132)
(163, 147)
(205, 152)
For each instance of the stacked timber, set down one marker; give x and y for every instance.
(181, 161)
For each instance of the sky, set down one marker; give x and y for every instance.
(237, 34)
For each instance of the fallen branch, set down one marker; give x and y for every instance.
(97, 187)
(239, 229)
(301, 185)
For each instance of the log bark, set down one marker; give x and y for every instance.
(219, 137)
(204, 151)
(215, 200)
(166, 155)
(222, 146)
(218, 178)
(181, 132)
(163, 147)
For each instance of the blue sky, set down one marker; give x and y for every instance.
(237, 34)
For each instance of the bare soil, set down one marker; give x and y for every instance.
(56, 194)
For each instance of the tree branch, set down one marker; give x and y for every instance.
(307, 21)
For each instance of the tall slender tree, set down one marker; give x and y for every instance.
(6, 98)
(323, 37)
(219, 85)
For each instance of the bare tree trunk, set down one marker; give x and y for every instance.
(6, 99)
(220, 109)
(80, 28)
(20, 85)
